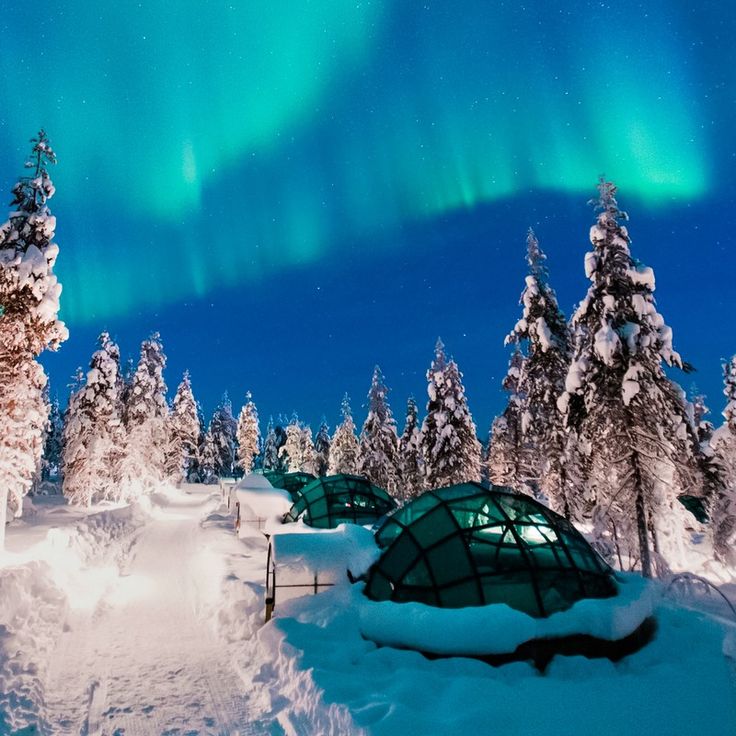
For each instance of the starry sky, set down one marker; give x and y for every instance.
(291, 192)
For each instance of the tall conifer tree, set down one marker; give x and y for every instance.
(621, 405)
(249, 435)
(29, 324)
(379, 445)
(411, 477)
(450, 446)
(345, 449)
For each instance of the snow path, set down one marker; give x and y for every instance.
(146, 660)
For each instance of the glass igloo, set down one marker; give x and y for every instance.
(291, 482)
(336, 499)
(470, 546)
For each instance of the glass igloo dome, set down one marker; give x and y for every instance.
(467, 545)
(291, 482)
(337, 499)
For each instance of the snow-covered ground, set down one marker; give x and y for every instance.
(123, 621)
(149, 620)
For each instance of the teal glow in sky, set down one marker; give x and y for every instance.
(207, 148)
(248, 137)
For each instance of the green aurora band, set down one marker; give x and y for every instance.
(218, 143)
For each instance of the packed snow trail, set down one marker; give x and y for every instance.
(146, 660)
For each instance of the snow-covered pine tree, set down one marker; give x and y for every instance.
(322, 449)
(308, 455)
(543, 332)
(248, 435)
(503, 457)
(297, 454)
(208, 458)
(344, 449)
(270, 448)
(729, 391)
(379, 446)
(289, 452)
(92, 431)
(620, 404)
(450, 446)
(183, 434)
(410, 459)
(703, 427)
(52, 442)
(145, 416)
(223, 428)
(722, 447)
(29, 324)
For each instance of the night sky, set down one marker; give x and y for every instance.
(291, 192)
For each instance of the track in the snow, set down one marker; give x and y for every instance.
(144, 662)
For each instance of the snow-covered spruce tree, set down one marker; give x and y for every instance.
(379, 445)
(270, 448)
(543, 332)
(92, 432)
(290, 450)
(183, 435)
(703, 427)
(308, 455)
(223, 428)
(503, 457)
(208, 458)
(297, 454)
(52, 442)
(411, 478)
(621, 405)
(322, 449)
(450, 446)
(729, 391)
(344, 449)
(248, 435)
(29, 324)
(145, 416)
(722, 457)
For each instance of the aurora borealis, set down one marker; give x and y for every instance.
(261, 180)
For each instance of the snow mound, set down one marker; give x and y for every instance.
(32, 612)
(317, 674)
(70, 568)
(290, 676)
(348, 547)
(254, 482)
(498, 628)
(268, 504)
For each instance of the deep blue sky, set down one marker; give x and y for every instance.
(291, 193)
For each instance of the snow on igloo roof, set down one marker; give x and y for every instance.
(470, 546)
(291, 482)
(337, 499)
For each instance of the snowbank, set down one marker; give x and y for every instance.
(304, 557)
(265, 504)
(498, 628)
(317, 674)
(70, 568)
(348, 547)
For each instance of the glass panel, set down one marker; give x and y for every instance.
(514, 590)
(433, 526)
(450, 560)
(379, 587)
(418, 576)
(467, 593)
(400, 557)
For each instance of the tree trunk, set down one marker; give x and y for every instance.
(641, 522)
(3, 516)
